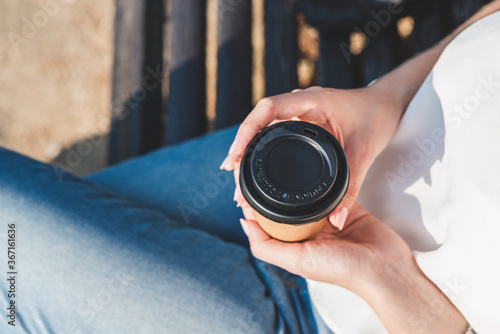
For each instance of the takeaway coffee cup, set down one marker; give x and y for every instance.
(293, 174)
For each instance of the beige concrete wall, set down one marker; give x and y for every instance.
(55, 73)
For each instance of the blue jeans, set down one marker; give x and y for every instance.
(152, 245)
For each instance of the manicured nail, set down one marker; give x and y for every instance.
(341, 217)
(235, 144)
(236, 193)
(244, 226)
(333, 220)
(224, 163)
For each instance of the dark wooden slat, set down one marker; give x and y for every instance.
(381, 54)
(186, 116)
(432, 23)
(152, 111)
(281, 46)
(461, 10)
(234, 62)
(127, 72)
(339, 15)
(337, 66)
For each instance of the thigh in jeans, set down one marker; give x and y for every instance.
(89, 261)
(184, 183)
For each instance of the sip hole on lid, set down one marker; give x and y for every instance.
(310, 133)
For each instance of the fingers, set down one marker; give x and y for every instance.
(265, 248)
(279, 107)
(233, 153)
(238, 196)
(357, 175)
(244, 226)
(248, 212)
(339, 218)
(344, 218)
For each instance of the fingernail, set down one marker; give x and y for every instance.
(236, 193)
(244, 226)
(222, 165)
(342, 215)
(333, 220)
(238, 204)
(235, 144)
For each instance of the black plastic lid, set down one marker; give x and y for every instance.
(294, 172)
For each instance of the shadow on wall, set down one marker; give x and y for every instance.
(85, 157)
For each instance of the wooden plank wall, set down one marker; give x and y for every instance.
(280, 46)
(139, 111)
(186, 102)
(152, 114)
(234, 62)
(128, 59)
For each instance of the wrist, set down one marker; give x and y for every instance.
(381, 117)
(406, 300)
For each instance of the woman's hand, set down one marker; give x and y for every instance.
(351, 258)
(371, 260)
(362, 120)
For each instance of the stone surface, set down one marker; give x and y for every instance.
(55, 77)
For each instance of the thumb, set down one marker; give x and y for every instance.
(337, 217)
(278, 107)
(346, 217)
(265, 248)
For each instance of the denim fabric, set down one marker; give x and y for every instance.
(152, 245)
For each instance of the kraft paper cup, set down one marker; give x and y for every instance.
(293, 174)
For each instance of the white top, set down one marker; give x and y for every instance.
(438, 185)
